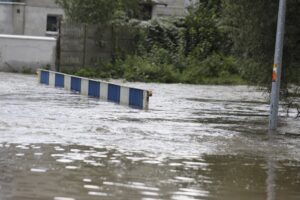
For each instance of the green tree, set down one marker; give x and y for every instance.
(98, 11)
(252, 27)
(203, 34)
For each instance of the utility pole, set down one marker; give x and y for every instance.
(277, 68)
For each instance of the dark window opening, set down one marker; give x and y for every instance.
(146, 11)
(52, 23)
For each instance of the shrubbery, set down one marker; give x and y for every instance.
(139, 69)
(103, 70)
(218, 42)
(215, 69)
(194, 49)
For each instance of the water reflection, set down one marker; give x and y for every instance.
(271, 167)
(271, 180)
(203, 177)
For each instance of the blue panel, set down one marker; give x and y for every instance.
(76, 84)
(59, 80)
(114, 93)
(45, 77)
(136, 98)
(94, 89)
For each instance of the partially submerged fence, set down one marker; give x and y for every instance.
(133, 97)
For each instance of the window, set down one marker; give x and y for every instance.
(148, 6)
(52, 23)
(146, 11)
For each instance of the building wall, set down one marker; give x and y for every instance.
(20, 53)
(87, 45)
(28, 18)
(42, 3)
(6, 24)
(36, 19)
(36, 15)
(18, 18)
(173, 8)
(11, 18)
(79, 46)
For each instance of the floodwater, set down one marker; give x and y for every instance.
(195, 142)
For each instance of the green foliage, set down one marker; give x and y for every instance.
(27, 70)
(254, 72)
(46, 67)
(215, 69)
(98, 11)
(203, 34)
(139, 69)
(133, 68)
(87, 72)
(102, 70)
(162, 33)
(219, 41)
(252, 27)
(162, 41)
(194, 49)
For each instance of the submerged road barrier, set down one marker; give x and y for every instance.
(133, 97)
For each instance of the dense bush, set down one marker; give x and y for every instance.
(219, 41)
(102, 70)
(194, 49)
(215, 69)
(140, 69)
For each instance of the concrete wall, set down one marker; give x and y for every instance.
(20, 53)
(42, 3)
(36, 19)
(173, 8)
(12, 18)
(6, 24)
(87, 45)
(18, 18)
(79, 45)
(28, 18)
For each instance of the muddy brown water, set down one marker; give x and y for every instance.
(195, 142)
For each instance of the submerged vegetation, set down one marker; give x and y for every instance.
(218, 42)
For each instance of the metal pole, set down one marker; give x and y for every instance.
(277, 68)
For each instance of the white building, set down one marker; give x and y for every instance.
(29, 17)
(23, 27)
(167, 8)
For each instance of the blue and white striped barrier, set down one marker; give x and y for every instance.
(133, 97)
